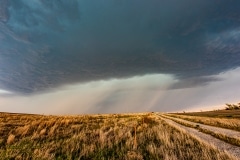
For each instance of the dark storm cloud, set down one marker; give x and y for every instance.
(193, 82)
(45, 44)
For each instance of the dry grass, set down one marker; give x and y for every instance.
(229, 123)
(10, 139)
(215, 113)
(126, 136)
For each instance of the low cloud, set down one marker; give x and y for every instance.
(194, 82)
(137, 94)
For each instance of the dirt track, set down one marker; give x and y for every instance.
(221, 145)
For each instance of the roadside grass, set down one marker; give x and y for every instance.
(214, 114)
(115, 136)
(228, 123)
(230, 140)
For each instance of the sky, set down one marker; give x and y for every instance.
(110, 56)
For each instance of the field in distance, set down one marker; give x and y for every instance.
(215, 113)
(110, 136)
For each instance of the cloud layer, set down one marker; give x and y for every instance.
(47, 44)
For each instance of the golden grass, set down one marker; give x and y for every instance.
(214, 113)
(10, 139)
(125, 136)
(229, 123)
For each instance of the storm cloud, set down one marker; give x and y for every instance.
(48, 44)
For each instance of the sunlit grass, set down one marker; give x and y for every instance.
(119, 136)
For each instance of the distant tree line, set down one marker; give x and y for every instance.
(232, 106)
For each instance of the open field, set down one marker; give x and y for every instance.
(116, 136)
(216, 114)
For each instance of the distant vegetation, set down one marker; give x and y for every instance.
(111, 137)
(232, 106)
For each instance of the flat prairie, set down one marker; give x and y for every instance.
(108, 137)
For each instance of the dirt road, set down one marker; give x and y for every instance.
(221, 145)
